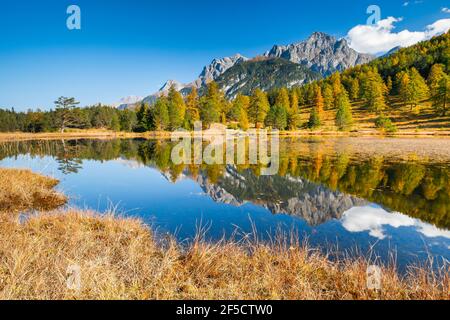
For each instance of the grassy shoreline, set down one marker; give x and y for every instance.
(106, 134)
(120, 258)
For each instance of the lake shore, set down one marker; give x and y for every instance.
(121, 258)
(426, 148)
(106, 134)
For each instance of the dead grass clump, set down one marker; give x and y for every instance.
(23, 189)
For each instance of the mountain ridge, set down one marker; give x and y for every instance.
(321, 53)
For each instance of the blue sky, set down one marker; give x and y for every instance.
(132, 47)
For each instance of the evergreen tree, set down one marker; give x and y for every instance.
(419, 87)
(177, 109)
(389, 85)
(373, 89)
(354, 89)
(412, 87)
(328, 97)
(315, 119)
(142, 118)
(259, 107)
(283, 98)
(310, 93)
(435, 76)
(344, 118)
(277, 117)
(239, 106)
(336, 84)
(115, 122)
(293, 113)
(243, 120)
(404, 87)
(160, 115)
(439, 91)
(294, 102)
(300, 95)
(127, 120)
(192, 108)
(211, 105)
(441, 100)
(64, 112)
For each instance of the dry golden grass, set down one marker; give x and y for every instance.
(420, 122)
(81, 134)
(23, 189)
(121, 259)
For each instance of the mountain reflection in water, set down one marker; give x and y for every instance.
(330, 196)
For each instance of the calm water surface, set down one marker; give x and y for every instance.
(332, 197)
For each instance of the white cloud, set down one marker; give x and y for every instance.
(373, 220)
(439, 27)
(446, 10)
(381, 37)
(405, 4)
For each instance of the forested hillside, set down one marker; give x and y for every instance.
(264, 73)
(407, 90)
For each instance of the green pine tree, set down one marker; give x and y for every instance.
(441, 100)
(373, 90)
(142, 118)
(259, 107)
(354, 89)
(328, 97)
(177, 109)
(192, 109)
(344, 118)
(277, 117)
(115, 122)
(161, 118)
(211, 105)
(419, 89)
(438, 83)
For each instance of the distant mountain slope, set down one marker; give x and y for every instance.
(125, 102)
(216, 68)
(421, 56)
(299, 63)
(321, 53)
(151, 99)
(265, 74)
(210, 73)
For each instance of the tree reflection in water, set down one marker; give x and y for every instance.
(314, 181)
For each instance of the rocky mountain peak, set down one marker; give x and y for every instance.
(321, 53)
(320, 36)
(216, 68)
(171, 83)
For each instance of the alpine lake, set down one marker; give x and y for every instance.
(384, 198)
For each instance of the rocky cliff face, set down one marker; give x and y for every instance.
(216, 68)
(210, 73)
(264, 74)
(321, 53)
